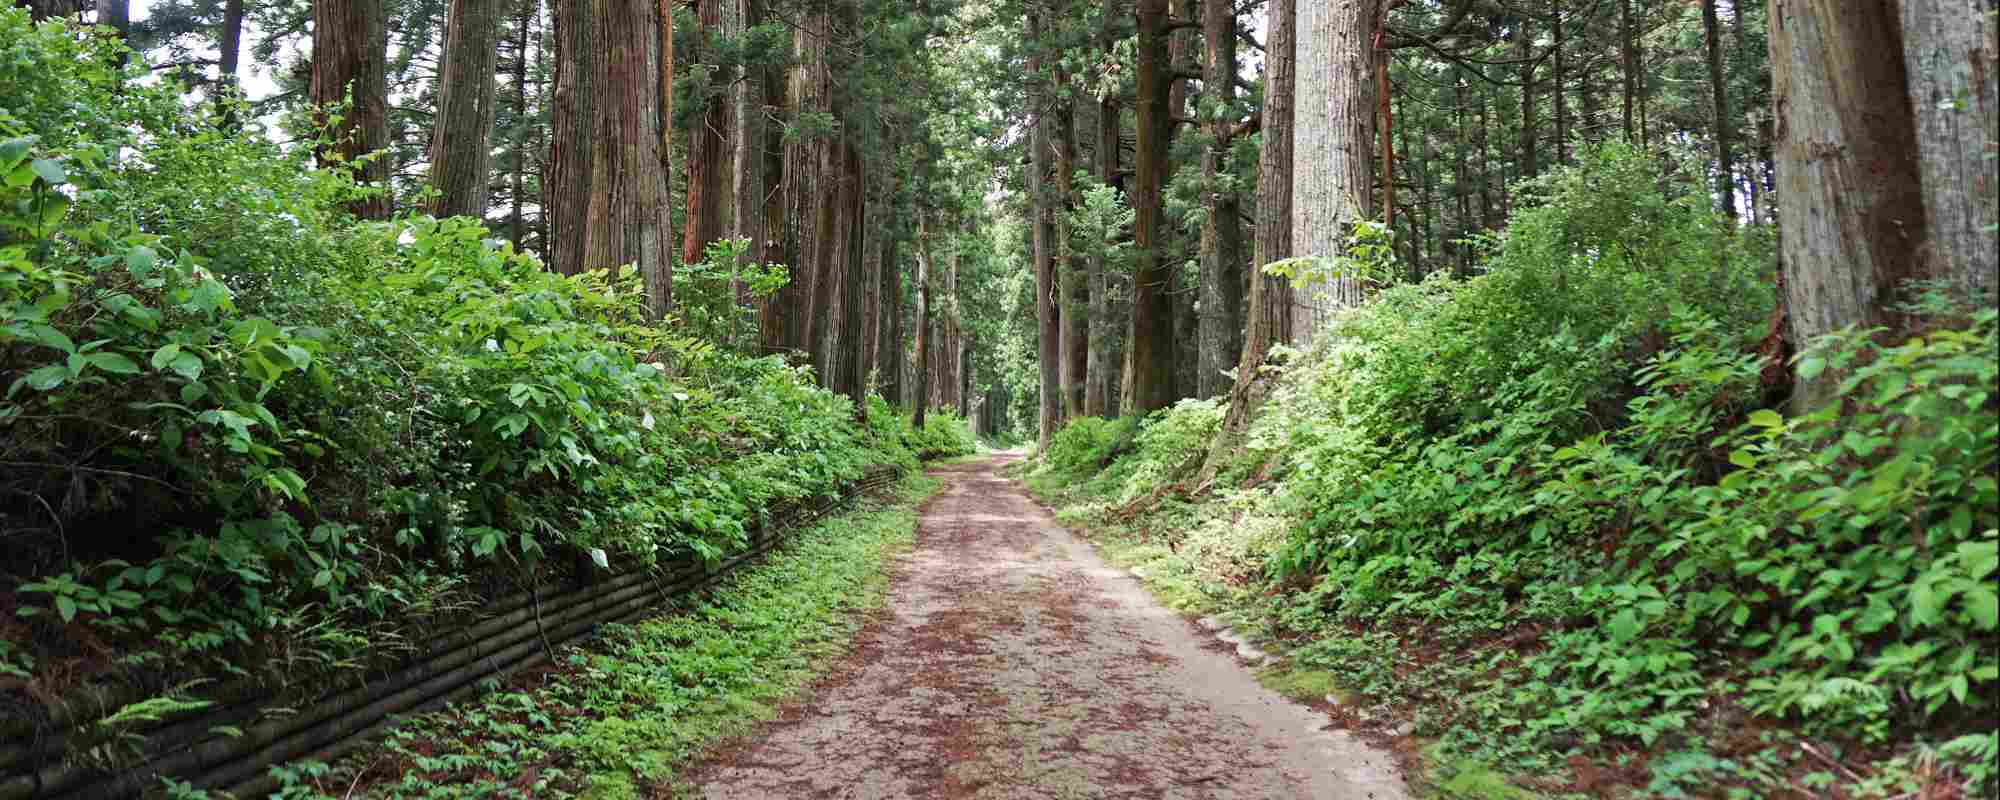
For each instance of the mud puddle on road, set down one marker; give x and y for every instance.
(1011, 662)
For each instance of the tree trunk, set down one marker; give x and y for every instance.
(1333, 152)
(1849, 197)
(1560, 87)
(461, 146)
(1221, 323)
(890, 356)
(705, 149)
(920, 380)
(350, 45)
(1628, 67)
(518, 178)
(1075, 285)
(1150, 347)
(116, 15)
(1044, 240)
(854, 347)
(1718, 87)
(747, 111)
(627, 224)
(1270, 300)
(1530, 133)
(572, 119)
(1950, 55)
(1103, 330)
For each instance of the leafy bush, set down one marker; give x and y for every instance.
(235, 417)
(1548, 505)
(945, 434)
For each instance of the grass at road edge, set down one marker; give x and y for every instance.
(620, 715)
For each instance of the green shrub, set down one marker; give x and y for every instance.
(235, 417)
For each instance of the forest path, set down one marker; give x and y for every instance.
(1010, 661)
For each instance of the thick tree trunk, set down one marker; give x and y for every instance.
(1333, 158)
(627, 223)
(350, 46)
(773, 312)
(705, 168)
(573, 120)
(461, 146)
(116, 15)
(1270, 300)
(1953, 64)
(1150, 347)
(1718, 88)
(1849, 183)
(1044, 240)
(1221, 324)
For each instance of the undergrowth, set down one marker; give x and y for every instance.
(1557, 517)
(244, 434)
(619, 716)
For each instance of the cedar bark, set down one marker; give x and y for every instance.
(705, 168)
(1560, 88)
(1270, 296)
(1074, 316)
(1530, 131)
(1098, 397)
(607, 187)
(1044, 241)
(747, 141)
(1150, 346)
(573, 131)
(461, 146)
(1333, 158)
(1849, 195)
(1953, 64)
(1628, 62)
(1718, 87)
(350, 46)
(919, 391)
(1220, 335)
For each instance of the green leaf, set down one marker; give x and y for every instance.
(165, 355)
(1743, 458)
(187, 365)
(13, 151)
(51, 171)
(48, 377)
(140, 260)
(1766, 418)
(65, 607)
(1983, 604)
(115, 363)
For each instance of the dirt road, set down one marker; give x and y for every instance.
(1012, 662)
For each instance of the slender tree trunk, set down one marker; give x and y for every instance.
(920, 381)
(747, 141)
(1530, 132)
(1221, 325)
(890, 356)
(1150, 348)
(350, 45)
(1075, 288)
(1849, 182)
(854, 349)
(230, 47)
(1718, 87)
(1628, 63)
(461, 137)
(1333, 159)
(1560, 87)
(517, 186)
(1952, 61)
(1103, 330)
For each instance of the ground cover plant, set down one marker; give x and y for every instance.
(1556, 516)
